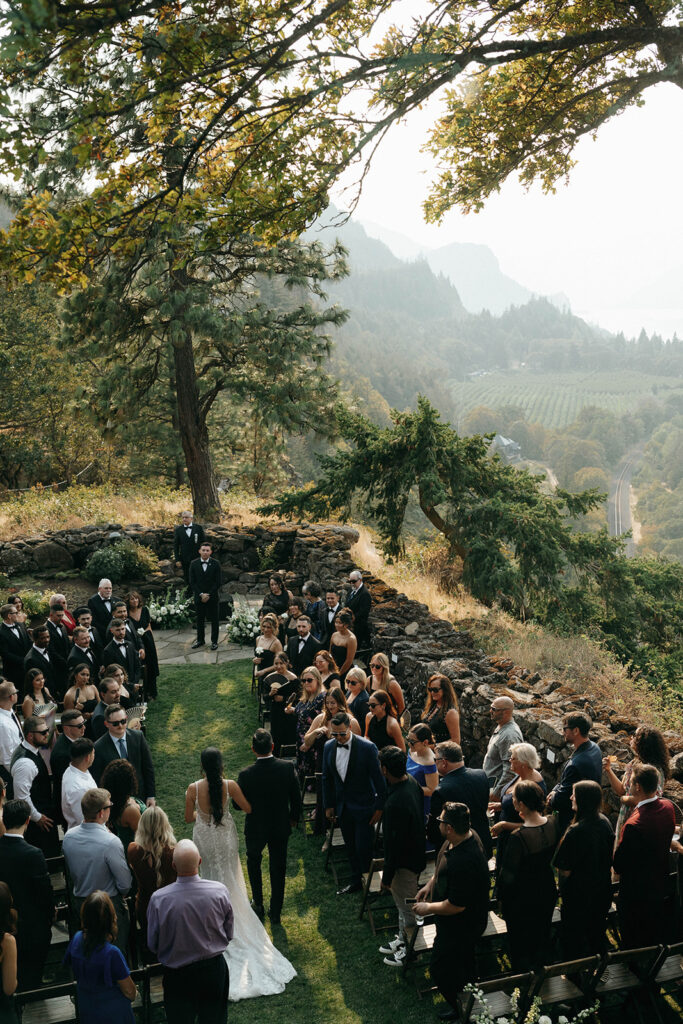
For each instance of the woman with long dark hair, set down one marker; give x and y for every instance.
(8, 956)
(256, 967)
(141, 621)
(120, 779)
(649, 747)
(380, 725)
(441, 712)
(105, 988)
(584, 863)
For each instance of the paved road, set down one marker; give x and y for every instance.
(619, 501)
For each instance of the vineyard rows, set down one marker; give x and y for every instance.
(556, 399)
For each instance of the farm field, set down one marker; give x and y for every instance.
(556, 399)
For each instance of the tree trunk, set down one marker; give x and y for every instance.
(440, 524)
(194, 435)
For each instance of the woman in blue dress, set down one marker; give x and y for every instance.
(421, 761)
(105, 988)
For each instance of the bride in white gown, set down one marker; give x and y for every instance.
(256, 967)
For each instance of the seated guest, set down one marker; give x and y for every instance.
(441, 711)
(458, 896)
(24, 869)
(462, 785)
(421, 763)
(73, 728)
(584, 863)
(295, 610)
(105, 988)
(357, 694)
(404, 847)
(584, 763)
(150, 856)
(76, 781)
(343, 643)
(83, 694)
(36, 693)
(15, 643)
(96, 860)
(320, 730)
(328, 669)
(642, 862)
(649, 747)
(380, 725)
(526, 884)
(10, 730)
(119, 778)
(84, 652)
(382, 679)
(524, 763)
(109, 690)
(314, 607)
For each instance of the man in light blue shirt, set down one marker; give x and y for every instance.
(96, 859)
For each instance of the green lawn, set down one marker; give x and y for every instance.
(341, 976)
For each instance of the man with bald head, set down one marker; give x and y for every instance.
(189, 926)
(497, 760)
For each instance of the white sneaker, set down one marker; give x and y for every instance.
(390, 947)
(399, 959)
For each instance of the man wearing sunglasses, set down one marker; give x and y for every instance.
(32, 783)
(129, 744)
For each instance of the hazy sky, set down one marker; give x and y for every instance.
(610, 239)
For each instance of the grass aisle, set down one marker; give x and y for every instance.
(341, 976)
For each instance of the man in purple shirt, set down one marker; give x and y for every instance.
(189, 925)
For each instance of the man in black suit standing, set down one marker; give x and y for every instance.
(354, 792)
(205, 581)
(24, 869)
(462, 785)
(83, 653)
(83, 617)
(302, 648)
(101, 605)
(15, 643)
(122, 652)
(38, 656)
(328, 615)
(271, 787)
(187, 538)
(129, 744)
(359, 601)
(59, 646)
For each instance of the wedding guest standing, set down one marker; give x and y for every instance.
(441, 712)
(140, 619)
(206, 581)
(584, 763)
(497, 760)
(649, 747)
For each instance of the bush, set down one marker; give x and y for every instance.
(244, 625)
(122, 560)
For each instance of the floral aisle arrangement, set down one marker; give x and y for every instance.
(533, 1014)
(244, 626)
(171, 610)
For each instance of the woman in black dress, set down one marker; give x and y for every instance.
(526, 884)
(381, 728)
(83, 694)
(584, 863)
(283, 687)
(267, 646)
(140, 619)
(277, 600)
(343, 643)
(441, 712)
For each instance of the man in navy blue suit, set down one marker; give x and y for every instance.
(585, 763)
(462, 785)
(354, 792)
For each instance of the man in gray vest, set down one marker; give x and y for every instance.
(32, 783)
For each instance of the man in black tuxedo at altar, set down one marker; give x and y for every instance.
(271, 787)
(187, 538)
(354, 792)
(101, 605)
(359, 601)
(302, 648)
(15, 643)
(122, 652)
(206, 581)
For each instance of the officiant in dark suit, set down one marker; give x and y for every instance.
(302, 648)
(271, 787)
(14, 645)
(354, 792)
(205, 581)
(187, 538)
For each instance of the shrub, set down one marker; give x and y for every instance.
(171, 610)
(244, 625)
(122, 560)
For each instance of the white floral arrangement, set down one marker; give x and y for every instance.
(171, 610)
(244, 626)
(533, 1014)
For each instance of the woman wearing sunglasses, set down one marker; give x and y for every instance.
(441, 711)
(380, 725)
(382, 679)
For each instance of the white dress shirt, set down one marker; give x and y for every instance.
(10, 736)
(23, 774)
(74, 784)
(342, 759)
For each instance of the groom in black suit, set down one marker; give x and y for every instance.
(271, 787)
(206, 582)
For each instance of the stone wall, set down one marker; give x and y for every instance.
(416, 642)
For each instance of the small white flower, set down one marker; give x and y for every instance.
(140, 632)
(544, 1019)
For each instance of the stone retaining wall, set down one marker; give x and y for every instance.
(416, 642)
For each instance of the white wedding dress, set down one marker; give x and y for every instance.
(256, 967)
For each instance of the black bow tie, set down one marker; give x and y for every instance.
(343, 746)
